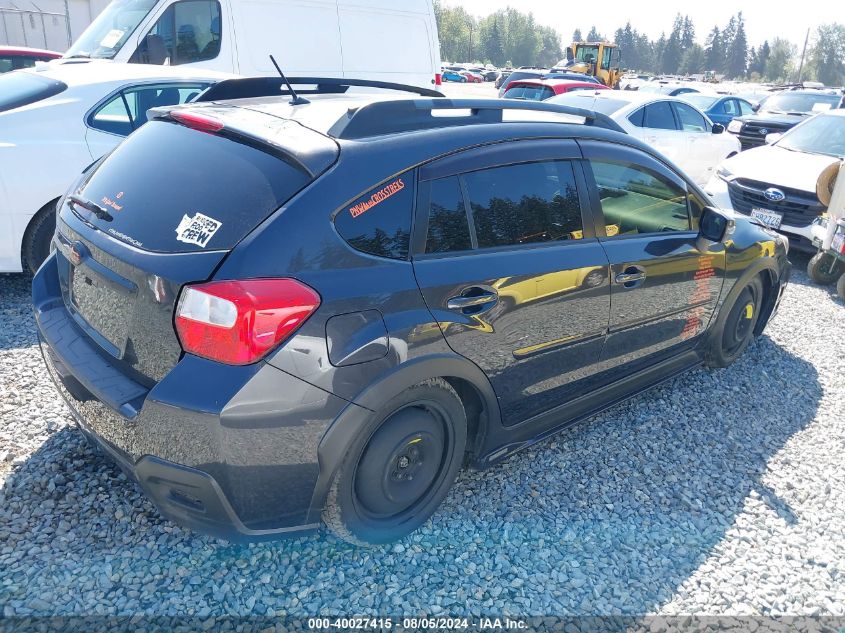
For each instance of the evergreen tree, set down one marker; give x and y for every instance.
(670, 60)
(693, 60)
(714, 50)
(576, 36)
(687, 34)
(728, 34)
(737, 53)
(594, 36)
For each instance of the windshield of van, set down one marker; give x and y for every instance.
(799, 103)
(21, 88)
(823, 134)
(108, 33)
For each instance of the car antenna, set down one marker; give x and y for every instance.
(296, 100)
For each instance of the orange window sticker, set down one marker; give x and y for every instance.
(378, 197)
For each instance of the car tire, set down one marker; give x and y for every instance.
(823, 269)
(840, 287)
(735, 326)
(400, 467)
(38, 238)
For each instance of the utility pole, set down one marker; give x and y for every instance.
(803, 52)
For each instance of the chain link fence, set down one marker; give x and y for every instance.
(35, 28)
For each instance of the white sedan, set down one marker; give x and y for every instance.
(673, 127)
(55, 119)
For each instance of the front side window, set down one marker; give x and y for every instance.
(635, 200)
(691, 121)
(187, 32)
(379, 222)
(524, 203)
(659, 116)
(127, 110)
(730, 108)
(745, 108)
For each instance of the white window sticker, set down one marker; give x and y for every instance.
(112, 38)
(821, 107)
(197, 230)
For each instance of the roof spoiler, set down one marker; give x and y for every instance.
(251, 87)
(387, 117)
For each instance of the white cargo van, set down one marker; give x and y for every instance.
(381, 40)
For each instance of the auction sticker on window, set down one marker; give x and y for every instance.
(112, 38)
(197, 230)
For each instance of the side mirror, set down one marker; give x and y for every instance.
(718, 128)
(773, 137)
(712, 225)
(755, 107)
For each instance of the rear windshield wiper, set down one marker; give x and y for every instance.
(88, 205)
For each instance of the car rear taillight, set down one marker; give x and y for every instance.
(197, 121)
(438, 79)
(239, 322)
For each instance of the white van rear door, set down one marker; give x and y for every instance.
(388, 41)
(301, 34)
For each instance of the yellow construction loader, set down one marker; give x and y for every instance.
(599, 59)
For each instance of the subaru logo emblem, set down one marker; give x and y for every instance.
(76, 253)
(764, 131)
(775, 195)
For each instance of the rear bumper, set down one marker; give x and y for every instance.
(227, 451)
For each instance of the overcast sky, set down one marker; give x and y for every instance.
(763, 19)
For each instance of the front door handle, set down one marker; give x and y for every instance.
(473, 300)
(631, 277)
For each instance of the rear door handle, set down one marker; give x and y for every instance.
(631, 276)
(473, 300)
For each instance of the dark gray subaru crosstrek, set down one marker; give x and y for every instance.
(271, 314)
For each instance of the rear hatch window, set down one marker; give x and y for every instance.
(168, 188)
(18, 89)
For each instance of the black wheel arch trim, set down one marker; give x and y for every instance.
(768, 266)
(335, 441)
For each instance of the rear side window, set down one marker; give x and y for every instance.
(659, 116)
(127, 110)
(20, 89)
(168, 188)
(448, 228)
(637, 117)
(524, 203)
(379, 222)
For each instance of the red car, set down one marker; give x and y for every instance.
(14, 57)
(472, 77)
(541, 89)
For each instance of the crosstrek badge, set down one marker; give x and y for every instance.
(197, 230)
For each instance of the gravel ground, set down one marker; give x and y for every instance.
(721, 492)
